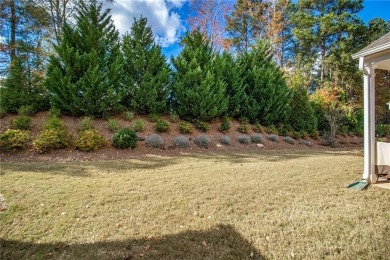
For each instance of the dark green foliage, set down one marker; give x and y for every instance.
(202, 126)
(84, 76)
(26, 111)
(272, 130)
(226, 140)
(382, 130)
(181, 142)
(242, 128)
(185, 127)
(301, 114)
(319, 113)
(147, 74)
(113, 125)
(13, 139)
(244, 139)
(153, 117)
(21, 123)
(202, 141)
(267, 95)
(22, 88)
(125, 138)
(54, 112)
(225, 125)
(257, 138)
(89, 140)
(154, 141)
(161, 126)
(198, 91)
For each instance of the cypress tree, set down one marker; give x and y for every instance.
(85, 74)
(301, 116)
(266, 90)
(198, 92)
(147, 74)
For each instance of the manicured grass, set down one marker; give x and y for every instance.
(277, 205)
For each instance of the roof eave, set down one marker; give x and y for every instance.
(371, 51)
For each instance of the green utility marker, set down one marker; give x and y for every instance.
(358, 185)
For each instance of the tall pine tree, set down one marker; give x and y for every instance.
(198, 91)
(147, 74)
(266, 90)
(84, 76)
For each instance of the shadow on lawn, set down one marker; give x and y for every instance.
(220, 242)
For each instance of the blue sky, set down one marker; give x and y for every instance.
(168, 17)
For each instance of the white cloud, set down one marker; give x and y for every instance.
(162, 17)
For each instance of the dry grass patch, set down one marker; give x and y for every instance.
(277, 204)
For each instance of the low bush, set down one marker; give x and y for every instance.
(272, 130)
(243, 120)
(273, 137)
(26, 111)
(174, 117)
(54, 112)
(89, 140)
(289, 140)
(12, 140)
(86, 123)
(185, 127)
(3, 112)
(154, 117)
(154, 141)
(226, 140)
(242, 128)
(128, 115)
(53, 123)
(161, 126)
(181, 142)
(225, 125)
(21, 122)
(244, 139)
(125, 138)
(113, 125)
(257, 128)
(315, 135)
(382, 130)
(139, 125)
(202, 141)
(257, 138)
(50, 139)
(202, 126)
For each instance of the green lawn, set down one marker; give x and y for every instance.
(274, 205)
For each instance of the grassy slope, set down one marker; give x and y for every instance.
(280, 204)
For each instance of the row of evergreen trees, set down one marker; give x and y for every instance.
(94, 72)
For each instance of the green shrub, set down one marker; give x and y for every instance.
(315, 135)
(289, 140)
(257, 138)
(3, 112)
(226, 140)
(242, 128)
(155, 141)
(128, 115)
(272, 130)
(139, 125)
(174, 117)
(185, 127)
(225, 125)
(181, 142)
(86, 123)
(13, 139)
(154, 117)
(26, 111)
(243, 120)
(89, 140)
(382, 130)
(202, 141)
(113, 125)
(244, 139)
(53, 123)
(21, 123)
(50, 139)
(125, 138)
(54, 112)
(161, 126)
(257, 128)
(273, 137)
(202, 126)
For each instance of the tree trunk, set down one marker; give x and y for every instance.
(13, 21)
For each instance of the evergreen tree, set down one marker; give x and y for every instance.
(147, 74)
(231, 74)
(301, 115)
(266, 90)
(198, 92)
(84, 76)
